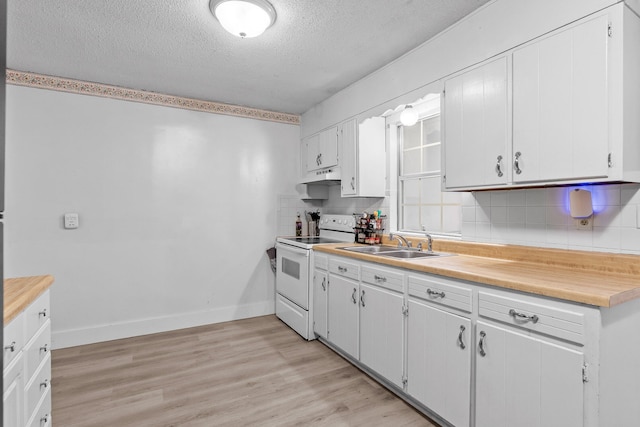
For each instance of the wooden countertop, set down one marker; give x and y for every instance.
(19, 292)
(594, 278)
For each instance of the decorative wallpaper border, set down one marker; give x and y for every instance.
(22, 78)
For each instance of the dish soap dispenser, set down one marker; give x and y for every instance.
(298, 226)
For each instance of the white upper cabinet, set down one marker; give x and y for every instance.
(563, 111)
(476, 111)
(363, 159)
(560, 108)
(322, 149)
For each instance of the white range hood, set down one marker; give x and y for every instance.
(329, 176)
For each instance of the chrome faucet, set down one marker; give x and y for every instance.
(429, 243)
(401, 239)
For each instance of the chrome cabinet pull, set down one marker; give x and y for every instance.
(324, 283)
(483, 353)
(44, 384)
(44, 420)
(44, 348)
(524, 317)
(516, 163)
(353, 182)
(353, 296)
(342, 269)
(460, 342)
(319, 159)
(362, 298)
(499, 166)
(435, 293)
(11, 346)
(380, 278)
(43, 313)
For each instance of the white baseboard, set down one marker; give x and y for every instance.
(133, 328)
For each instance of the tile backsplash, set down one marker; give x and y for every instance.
(540, 217)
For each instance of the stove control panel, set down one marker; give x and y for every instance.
(337, 222)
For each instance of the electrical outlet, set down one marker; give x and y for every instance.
(71, 221)
(584, 223)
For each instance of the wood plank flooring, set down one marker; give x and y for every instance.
(252, 372)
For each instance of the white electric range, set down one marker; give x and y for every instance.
(294, 275)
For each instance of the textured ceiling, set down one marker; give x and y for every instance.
(176, 47)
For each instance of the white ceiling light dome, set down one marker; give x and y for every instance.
(244, 18)
(409, 116)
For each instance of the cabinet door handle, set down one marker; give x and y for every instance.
(342, 269)
(319, 159)
(516, 163)
(460, 342)
(353, 296)
(362, 298)
(481, 349)
(44, 384)
(380, 278)
(44, 348)
(524, 317)
(324, 283)
(353, 182)
(44, 420)
(11, 347)
(43, 313)
(435, 293)
(499, 166)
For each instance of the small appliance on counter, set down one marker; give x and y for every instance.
(294, 275)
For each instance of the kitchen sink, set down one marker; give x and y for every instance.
(370, 249)
(410, 254)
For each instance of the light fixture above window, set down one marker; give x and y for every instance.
(409, 116)
(244, 18)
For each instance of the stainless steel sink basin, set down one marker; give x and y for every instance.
(409, 254)
(370, 249)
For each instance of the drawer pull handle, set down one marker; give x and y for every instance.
(11, 346)
(44, 348)
(460, 342)
(525, 317)
(44, 384)
(481, 349)
(42, 313)
(435, 293)
(380, 278)
(362, 298)
(353, 296)
(342, 269)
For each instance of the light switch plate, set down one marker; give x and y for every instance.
(71, 221)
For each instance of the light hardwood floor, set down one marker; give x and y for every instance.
(252, 372)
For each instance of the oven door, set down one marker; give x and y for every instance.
(292, 277)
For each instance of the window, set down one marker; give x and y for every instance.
(422, 206)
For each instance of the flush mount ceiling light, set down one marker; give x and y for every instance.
(409, 116)
(244, 18)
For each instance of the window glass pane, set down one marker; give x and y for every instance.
(431, 193)
(411, 218)
(411, 137)
(411, 192)
(431, 130)
(411, 162)
(431, 159)
(430, 219)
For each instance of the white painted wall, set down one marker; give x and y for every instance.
(176, 210)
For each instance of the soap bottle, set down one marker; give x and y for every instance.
(298, 226)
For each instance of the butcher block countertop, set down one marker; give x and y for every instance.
(594, 278)
(19, 292)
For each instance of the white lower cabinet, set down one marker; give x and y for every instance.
(320, 295)
(526, 381)
(343, 313)
(439, 361)
(27, 376)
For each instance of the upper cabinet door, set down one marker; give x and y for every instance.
(322, 149)
(560, 105)
(476, 127)
(348, 162)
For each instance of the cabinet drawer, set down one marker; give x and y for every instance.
(37, 387)
(320, 261)
(545, 319)
(42, 415)
(441, 291)
(37, 350)
(344, 268)
(384, 278)
(37, 314)
(13, 340)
